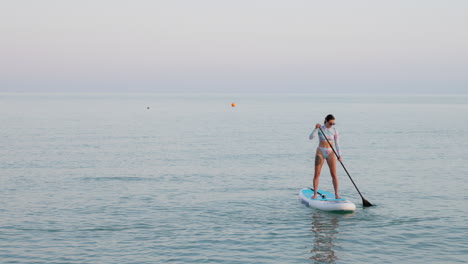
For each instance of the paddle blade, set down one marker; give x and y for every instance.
(366, 203)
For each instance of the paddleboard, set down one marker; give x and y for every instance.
(326, 201)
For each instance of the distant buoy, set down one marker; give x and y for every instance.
(147, 107)
(233, 104)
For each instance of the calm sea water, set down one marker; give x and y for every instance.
(103, 179)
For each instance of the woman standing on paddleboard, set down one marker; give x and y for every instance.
(325, 152)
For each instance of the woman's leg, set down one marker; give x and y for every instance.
(318, 167)
(331, 161)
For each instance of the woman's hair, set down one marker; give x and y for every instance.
(328, 118)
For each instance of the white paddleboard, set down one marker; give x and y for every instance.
(326, 201)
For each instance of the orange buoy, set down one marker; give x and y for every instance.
(233, 104)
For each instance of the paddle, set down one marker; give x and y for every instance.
(365, 203)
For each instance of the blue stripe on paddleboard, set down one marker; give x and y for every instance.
(329, 196)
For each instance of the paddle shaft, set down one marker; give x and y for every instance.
(364, 201)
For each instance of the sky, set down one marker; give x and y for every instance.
(398, 46)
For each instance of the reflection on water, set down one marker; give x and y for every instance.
(324, 227)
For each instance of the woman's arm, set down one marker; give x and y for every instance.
(314, 132)
(337, 142)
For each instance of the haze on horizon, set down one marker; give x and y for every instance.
(234, 46)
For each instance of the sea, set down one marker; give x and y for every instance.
(188, 178)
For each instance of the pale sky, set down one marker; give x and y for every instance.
(303, 46)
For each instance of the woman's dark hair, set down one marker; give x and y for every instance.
(328, 118)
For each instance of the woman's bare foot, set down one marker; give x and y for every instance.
(337, 196)
(314, 197)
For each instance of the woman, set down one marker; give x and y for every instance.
(325, 152)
